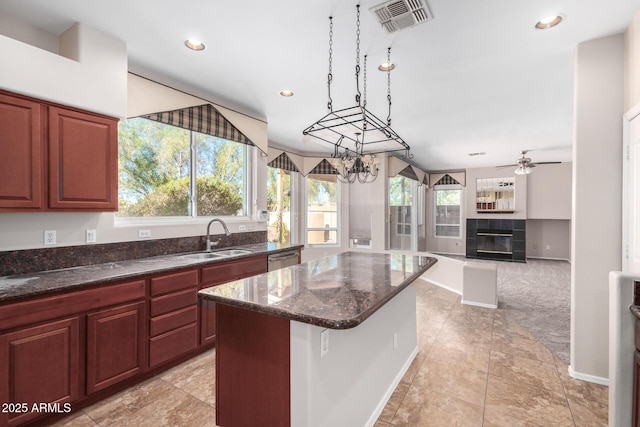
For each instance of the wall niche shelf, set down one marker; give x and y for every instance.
(495, 195)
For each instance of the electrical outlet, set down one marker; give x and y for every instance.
(242, 228)
(395, 340)
(324, 342)
(49, 237)
(91, 236)
(144, 233)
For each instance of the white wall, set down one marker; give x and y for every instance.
(549, 192)
(632, 63)
(92, 76)
(597, 200)
(549, 239)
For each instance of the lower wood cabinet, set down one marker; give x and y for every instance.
(116, 345)
(173, 324)
(40, 364)
(218, 274)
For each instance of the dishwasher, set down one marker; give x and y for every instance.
(282, 259)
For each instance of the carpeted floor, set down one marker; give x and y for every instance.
(538, 295)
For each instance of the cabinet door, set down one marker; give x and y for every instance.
(40, 364)
(207, 321)
(83, 161)
(21, 159)
(115, 345)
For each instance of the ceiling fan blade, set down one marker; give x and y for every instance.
(547, 163)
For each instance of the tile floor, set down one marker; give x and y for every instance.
(475, 367)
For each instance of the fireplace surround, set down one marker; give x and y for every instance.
(496, 239)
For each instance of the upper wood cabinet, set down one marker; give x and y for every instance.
(21, 151)
(83, 160)
(56, 158)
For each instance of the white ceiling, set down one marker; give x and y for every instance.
(477, 78)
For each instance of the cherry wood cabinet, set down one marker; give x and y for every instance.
(56, 158)
(116, 345)
(40, 364)
(174, 320)
(83, 160)
(218, 274)
(22, 150)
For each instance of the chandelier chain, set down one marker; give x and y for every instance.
(330, 75)
(389, 85)
(358, 94)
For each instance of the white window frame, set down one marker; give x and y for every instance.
(250, 188)
(338, 228)
(435, 211)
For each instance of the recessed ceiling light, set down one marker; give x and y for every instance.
(387, 66)
(286, 93)
(548, 22)
(194, 44)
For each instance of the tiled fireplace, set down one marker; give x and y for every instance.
(497, 239)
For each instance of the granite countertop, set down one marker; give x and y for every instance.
(45, 282)
(337, 292)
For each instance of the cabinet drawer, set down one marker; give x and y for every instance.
(233, 270)
(173, 301)
(175, 319)
(173, 282)
(167, 346)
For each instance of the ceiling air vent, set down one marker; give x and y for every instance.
(399, 14)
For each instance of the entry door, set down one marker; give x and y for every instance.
(631, 212)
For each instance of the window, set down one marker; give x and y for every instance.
(402, 213)
(167, 171)
(447, 215)
(323, 210)
(279, 205)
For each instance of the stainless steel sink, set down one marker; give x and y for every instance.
(203, 255)
(232, 252)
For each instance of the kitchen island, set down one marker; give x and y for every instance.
(323, 343)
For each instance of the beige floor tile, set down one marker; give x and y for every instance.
(117, 409)
(467, 333)
(453, 380)
(517, 345)
(196, 377)
(394, 402)
(413, 369)
(423, 408)
(424, 344)
(589, 402)
(177, 408)
(520, 370)
(460, 352)
(509, 404)
(79, 419)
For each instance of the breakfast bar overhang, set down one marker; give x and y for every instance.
(322, 343)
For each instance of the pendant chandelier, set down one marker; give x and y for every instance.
(356, 134)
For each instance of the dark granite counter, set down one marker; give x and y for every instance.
(337, 292)
(45, 282)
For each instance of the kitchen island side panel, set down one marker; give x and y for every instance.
(252, 369)
(350, 385)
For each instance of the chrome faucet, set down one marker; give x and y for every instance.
(226, 232)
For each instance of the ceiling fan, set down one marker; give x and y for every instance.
(524, 165)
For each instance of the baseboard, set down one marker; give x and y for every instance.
(588, 378)
(383, 402)
(435, 282)
(480, 304)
